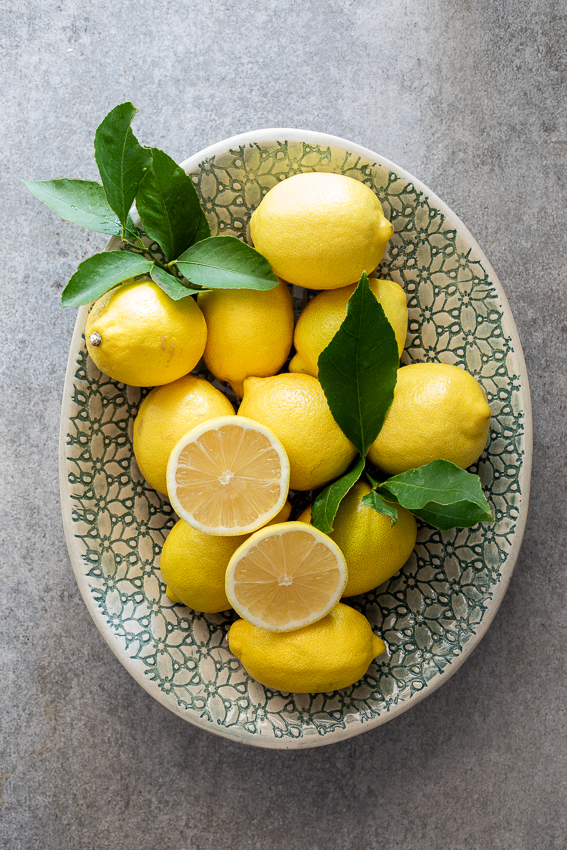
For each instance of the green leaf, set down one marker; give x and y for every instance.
(81, 201)
(377, 503)
(100, 273)
(130, 229)
(168, 205)
(441, 493)
(121, 159)
(171, 285)
(327, 502)
(203, 230)
(224, 262)
(359, 367)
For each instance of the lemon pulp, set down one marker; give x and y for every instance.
(228, 476)
(285, 577)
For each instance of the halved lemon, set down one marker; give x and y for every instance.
(228, 475)
(285, 576)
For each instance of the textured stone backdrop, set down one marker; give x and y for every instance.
(472, 99)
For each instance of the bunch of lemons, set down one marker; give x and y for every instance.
(227, 475)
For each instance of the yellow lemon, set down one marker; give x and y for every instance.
(228, 476)
(328, 655)
(285, 576)
(374, 549)
(194, 564)
(294, 407)
(438, 412)
(249, 332)
(165, 415)
(324, 314)
(320, 230)
(138, 335)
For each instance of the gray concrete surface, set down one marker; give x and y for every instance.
(472, 98)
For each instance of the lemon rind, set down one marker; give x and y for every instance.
(213, 424)
(271, 531)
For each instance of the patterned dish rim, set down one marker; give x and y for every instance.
(279, 135)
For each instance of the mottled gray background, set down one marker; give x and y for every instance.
(469, 96)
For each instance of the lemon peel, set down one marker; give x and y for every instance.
(138, 335)
(320, 230)
(165, 415)
(294, 407)
(439, 412)
(328, 655)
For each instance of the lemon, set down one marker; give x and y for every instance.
(294, 407)
(328, 655)
(165, 415)
(138, 335)
(249, 332)
(229, 475)
(438, 412)
(285, 576)
(374, 549)
(324, 314)
(194, 564)
(320, 230)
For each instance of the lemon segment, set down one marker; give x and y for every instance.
(285, 577)
(227, 476)
(328, 655)
(320, 230)
(138, 335)
(165, 415)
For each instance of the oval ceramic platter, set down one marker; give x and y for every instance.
(431, 614)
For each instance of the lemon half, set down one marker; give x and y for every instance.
(229, 475)
(285, 577)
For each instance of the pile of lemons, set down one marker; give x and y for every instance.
(227, 475)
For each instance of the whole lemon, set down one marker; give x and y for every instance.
(194, 564)
(330, 654)
(138, 335)
(320, 230)
(438, 412)
(249, 332)
(322, 317)
(294, 407)
(165, 415)
(374, 549)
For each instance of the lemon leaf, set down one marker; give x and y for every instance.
(327, 502)
(122, 161)
(359, 367)
(82, 202)
(224, 262)
(169, 205)
(376, 502)
(101, 272)
(171, 285)
(203, 230)
(441, 493)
